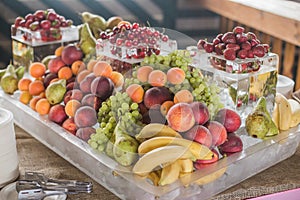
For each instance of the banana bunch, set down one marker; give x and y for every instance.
(98, 23)
(165, 156)
(286, 112)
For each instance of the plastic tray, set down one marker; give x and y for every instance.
(125, 185)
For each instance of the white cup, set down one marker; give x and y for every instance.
(9, 162)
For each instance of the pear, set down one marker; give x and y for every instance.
(113, 21)
(9, 81)
(125, 147)
(55, 91)
(87, 40)
(259, 123)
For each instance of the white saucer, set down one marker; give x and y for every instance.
(9, 192)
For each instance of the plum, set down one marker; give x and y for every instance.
(85, 116)
(218, 132)
(57, 114)
(102, 87)
(71, 53)
(229, 118)
(85, 133)
(156, 95)
(85, 84)
(233, 144)
(92, 101)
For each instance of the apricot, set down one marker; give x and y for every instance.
(180, 117)
(157, 78)
(143, 73)
(71, 107)
(90, 65)
(183, 96)
(117, 78)
(135, 92)
(25, 97)
(102, 68)
(165, 107)
(23, 84)
(175, 75)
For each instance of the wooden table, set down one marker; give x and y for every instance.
(34, 156)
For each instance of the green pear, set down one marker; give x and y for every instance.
(55, 91)
(9, 81)
(259, 123)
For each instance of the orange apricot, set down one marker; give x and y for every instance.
(71, 107)
(23, 84)
(37, 69)
(42, 106)
(157, 78)
(183, 96)
(135, 92)
(143, 73)
(175, 75)
(65, 73)
(36, 87)
(78, 66)
(102, 68)
(165, 107)
(25, 97)
(58, 50)
(117, 78)
(33, 101)
(90, 65)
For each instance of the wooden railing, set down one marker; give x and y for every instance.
(276, 22)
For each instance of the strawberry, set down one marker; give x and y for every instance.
(229, 54)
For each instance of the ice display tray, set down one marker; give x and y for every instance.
(108, 173)
(36, 38)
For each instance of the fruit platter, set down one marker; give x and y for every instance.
(159, 129)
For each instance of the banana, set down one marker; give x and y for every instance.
(211, 177)
(295, 106)
(170, 173)
(160, 156)
(156, 130)
(275, 115)
(285, 112)
(186, 165)
(199, 151)
(154, 176)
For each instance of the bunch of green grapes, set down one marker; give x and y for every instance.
(117, 108)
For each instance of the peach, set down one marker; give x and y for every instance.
(180, 117)
(102, 87)
(200, 111)
(85, 84)
(135, 92)
(175, 75)
(92, 101)
(143, 73)
(55, 64)
(218, 132)
(157, 78)
(57, 114)
(70, 125)
(199, 134)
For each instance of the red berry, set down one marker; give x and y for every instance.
(229, 54)
(246, 45)
(229, 37)
(208, 47)
(241, 37)
(233, 46)
(238, 29)
(242, 53)
(258, 50)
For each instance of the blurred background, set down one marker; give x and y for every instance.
(180, 15)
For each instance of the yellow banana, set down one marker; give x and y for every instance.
(154, 176)
(211, 177)
(186, 165)
(170, 173)
(295, 106)
(285, 112)
(275, 115)
(156, 130)
(160, 156)
(199, 151)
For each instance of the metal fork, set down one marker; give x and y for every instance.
(48, 183)
(37, 194)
